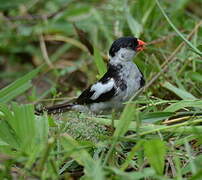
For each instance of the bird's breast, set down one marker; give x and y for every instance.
(130, 78)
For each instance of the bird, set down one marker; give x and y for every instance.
(121, 81)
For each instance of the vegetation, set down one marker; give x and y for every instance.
(51, 50)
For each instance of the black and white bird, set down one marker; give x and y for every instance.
(121, 81)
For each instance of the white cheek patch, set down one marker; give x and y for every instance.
(100, 88)
(126, 54)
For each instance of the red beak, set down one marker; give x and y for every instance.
(140, 45)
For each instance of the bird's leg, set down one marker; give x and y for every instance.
(113, 118)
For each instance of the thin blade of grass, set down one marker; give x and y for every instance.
(102, 26)
(179, 92)
(197, 51)
(182, 104)
(134, 25)
(152, 117)
(18, 87)
(190, 155)
(15, 92)
(127, 116)
(101, 66)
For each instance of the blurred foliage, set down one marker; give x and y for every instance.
(46, 56)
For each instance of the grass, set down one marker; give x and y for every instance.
(52, 50)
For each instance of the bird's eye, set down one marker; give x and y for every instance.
(122, 55)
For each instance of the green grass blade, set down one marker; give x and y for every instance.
(197, 51)
(195, 76)
(131, 155)
(135, 27)
(122, 126)
(152, 117)
(155, 151)
(102, 25)
(101, 66)
(7, 133)
(7, 136)
(182, 104)
(179, 92)
(17, 87)
(3, 143)
(21, 129)
(127, 116)
(197, 176)
(15, 92)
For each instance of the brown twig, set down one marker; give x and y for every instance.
(44, 51)
(83, 38)
(167, 122)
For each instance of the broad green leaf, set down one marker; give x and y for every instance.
(101, 66)
(182, 104)
(196, 76)
(17, 87)
(127, 116)
(24, 125)
(93, 169)
(199, 47)
(3, 143)
(197, 176)
(7, 135)
(179, 92)
(21, 130)
(16, 92)
(7, 114)
(155, 151)
(42, 129)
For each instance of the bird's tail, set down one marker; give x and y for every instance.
(55, 109)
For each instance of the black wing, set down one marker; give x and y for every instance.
(85, 97)
(111, 74)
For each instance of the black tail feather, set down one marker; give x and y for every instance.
(56, 109)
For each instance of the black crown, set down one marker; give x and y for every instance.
(123, 42)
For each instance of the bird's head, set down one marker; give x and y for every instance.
(125, 48)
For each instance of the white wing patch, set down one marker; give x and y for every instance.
(100, 88)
